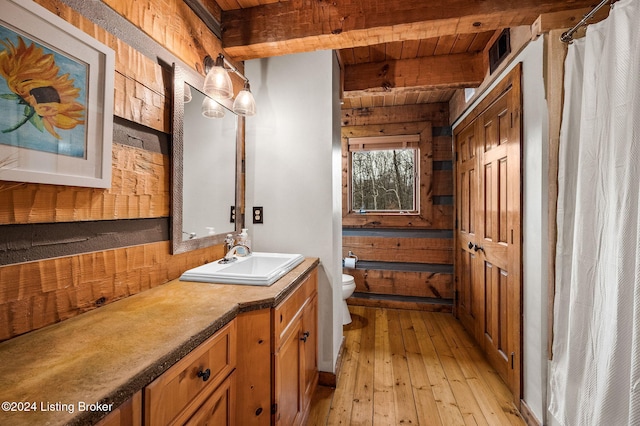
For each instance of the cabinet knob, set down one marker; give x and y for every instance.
(204, 374)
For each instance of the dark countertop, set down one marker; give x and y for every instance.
(108, 354)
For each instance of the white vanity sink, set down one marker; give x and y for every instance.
(257, 269)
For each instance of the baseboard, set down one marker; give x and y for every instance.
(331, 379)
(529, 418)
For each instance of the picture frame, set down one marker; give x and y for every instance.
(56, 100)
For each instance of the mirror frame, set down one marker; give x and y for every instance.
(195, 80)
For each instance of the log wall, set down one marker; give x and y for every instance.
(40, 286)
(403, 261)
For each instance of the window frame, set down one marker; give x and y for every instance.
(383, 143)
(423, 217)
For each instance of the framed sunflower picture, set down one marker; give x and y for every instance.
(56, 100)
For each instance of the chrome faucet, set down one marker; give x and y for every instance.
(228, 243)
(233, 251)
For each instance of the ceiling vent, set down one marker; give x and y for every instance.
(500, 49)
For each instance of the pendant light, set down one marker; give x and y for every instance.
(217, 83)
(187, 94)
(245, 104)
(218, 86)
(211, 109)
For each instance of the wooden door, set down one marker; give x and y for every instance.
(488, 260)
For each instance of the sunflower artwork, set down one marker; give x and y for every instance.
(42, 97)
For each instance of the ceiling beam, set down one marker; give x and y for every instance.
(305, 25)
(431, 72)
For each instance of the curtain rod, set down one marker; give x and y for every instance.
(567, 37)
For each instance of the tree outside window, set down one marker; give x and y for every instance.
(384, 174)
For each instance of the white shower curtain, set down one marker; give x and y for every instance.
(595, 372)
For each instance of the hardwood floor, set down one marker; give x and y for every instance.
(412, 367)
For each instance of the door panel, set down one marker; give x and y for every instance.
(488, 260)
(467, 181)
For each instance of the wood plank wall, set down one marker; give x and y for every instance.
(404, 264)
(37, 293)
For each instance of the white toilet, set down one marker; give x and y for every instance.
(348, 287)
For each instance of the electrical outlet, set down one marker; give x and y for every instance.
(232, 214)
(258, 215)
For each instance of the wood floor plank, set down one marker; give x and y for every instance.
(320, 406)
(340, 412)
(492, 393)
(447, 406)
(362, 410)
(412, 367)
(465, 398)
(383, 408)
(426, 406)
(402, 391)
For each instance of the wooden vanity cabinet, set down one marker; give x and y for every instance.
(277, 359)
(295, 366)
(198, 389)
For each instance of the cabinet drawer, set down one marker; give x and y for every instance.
(290, 308)
(219, 408)
(180, 390)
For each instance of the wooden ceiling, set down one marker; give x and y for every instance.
(393, 52)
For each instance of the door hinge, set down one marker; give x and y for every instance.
(513, 355)
(274, 408)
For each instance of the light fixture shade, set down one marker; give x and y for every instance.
(187, 94)
(217, 82)
(245, 104)
(211, 109)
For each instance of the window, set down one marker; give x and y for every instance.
(384, 174)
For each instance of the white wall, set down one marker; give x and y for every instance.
(291, 167)
(535, 146)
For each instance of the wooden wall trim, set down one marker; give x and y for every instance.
(400, 302)
(529, 418)
(405, 266)
(400, 233)
(29, 242)
(437, 113)
(135, 135)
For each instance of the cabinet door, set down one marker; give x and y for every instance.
(310, 348)
(218, 409)
(127, 414)
(288, 377)
(253, 375)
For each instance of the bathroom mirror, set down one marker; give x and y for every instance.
(206, 159)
